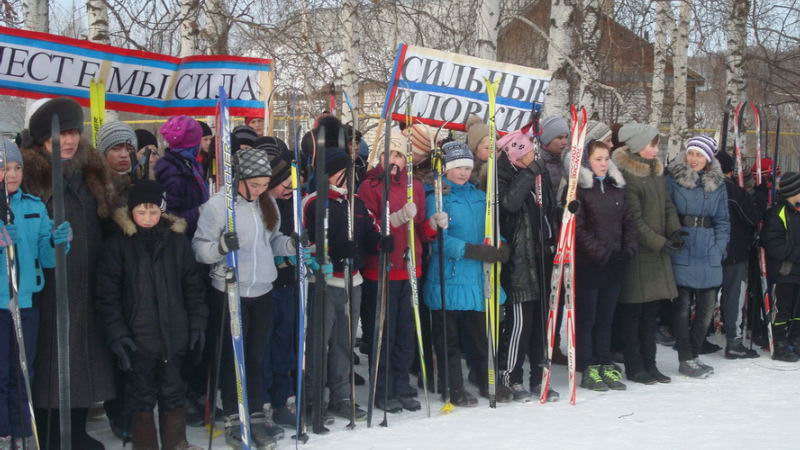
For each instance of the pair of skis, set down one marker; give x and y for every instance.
(564, 262)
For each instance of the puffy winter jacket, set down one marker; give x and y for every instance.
(184, 191)
(33, 250)
(130, 278)
(781, 239)
(603, 226)
(371, 193)
(466, 206)
(744, 215)
(258, 245)
(520, 225)
(701, 194)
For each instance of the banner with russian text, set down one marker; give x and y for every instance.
(36, 65)
(446, 88)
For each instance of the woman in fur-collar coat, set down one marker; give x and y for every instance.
(87, 200)
(697, 187)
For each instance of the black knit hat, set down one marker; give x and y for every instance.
(725, 161)
(335, 160)
(790, 184)
(147, 191)
(244, 135)
(70, 117)
(206, 129)
(145, 138)
(281, 163)
(332, 126)
(270, 143)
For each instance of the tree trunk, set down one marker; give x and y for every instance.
(37, 15)
(189, 29)
(736, 35)
(559, 45)
(680, 39)
(97, 14)
(350, 45)
(218, 27)
(664, 23)
(487, 24)
(588, 51)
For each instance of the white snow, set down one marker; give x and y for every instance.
(745, 404)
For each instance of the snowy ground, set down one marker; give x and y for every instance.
(746, 404)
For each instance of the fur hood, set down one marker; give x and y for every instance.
(122, 217)
(684, 176)
(38, 175)
(586, 176)
(635, 164)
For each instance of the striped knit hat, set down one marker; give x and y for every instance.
(790, 184)
(115, 133)
(703, 144)
(457, 154)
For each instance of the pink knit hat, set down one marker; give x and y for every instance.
(181, 132)
(516, 144)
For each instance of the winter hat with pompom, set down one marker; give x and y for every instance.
(476, 131)
(597, 131)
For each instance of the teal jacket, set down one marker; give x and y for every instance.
(466, 206)
(33, 250)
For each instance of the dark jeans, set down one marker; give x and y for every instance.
(734, 288)
(594, 314)
(154, 381)
(471, 325)
(639, 335)
(787, 317)
(399, 339)
(522, 336)
(690, 332)
(281, 357)
(15, 417)
(256, 315)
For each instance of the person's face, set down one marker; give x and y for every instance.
(118, 158)
(337, 179)
(695, 160)
(12, 175)
(650, 151)
(245, 146)
(69, 141)
(258, 125)
(146, 215)
(526, 159)
(282, 191)
(598, 162)
(482, 151)
(256, 186)
(793, 200)
(398, 161)
(459, 175)
(154, 155)
(557, 145)
(205, 143)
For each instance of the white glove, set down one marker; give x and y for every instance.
(403, 215)
(439, 220)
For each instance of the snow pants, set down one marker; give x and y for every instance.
(786, 326)
(154, 381)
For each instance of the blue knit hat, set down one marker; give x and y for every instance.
(457, 154)
(553, 127)
(703, 144)
(9, 151)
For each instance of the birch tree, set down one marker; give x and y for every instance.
(218, 27)
(560, 44)
(350, 46)
(680, 40)
(97, 14)
(189, 28)
(665, 20)
(36, 15)
(487, 24)
(736, 36)
(588, 49)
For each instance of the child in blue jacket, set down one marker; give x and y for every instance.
(30, 232)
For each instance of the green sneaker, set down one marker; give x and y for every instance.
(592, 380)
(611, 377)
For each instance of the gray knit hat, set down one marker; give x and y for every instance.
(703, 144)
(553, 127)
(115, 133)
(790, 184)
(9, 151)
(457, 154)
(252, 163)
(597, 131)
(637, 135)
(476, 131)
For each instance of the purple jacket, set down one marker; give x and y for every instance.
(185, 193)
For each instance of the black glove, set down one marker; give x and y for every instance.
(121, 347)
(676, 239)
(537, 167)
(616, 258)
(348, 250)
(671, 249)
(197, 343)
(228, 242)
(386, 244)
(480, 252)
(504, 253)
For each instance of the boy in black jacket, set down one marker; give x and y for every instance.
(151, 302)
(781, 239)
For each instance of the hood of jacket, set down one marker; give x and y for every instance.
(635, 164)
(122, 217)
(712, 177)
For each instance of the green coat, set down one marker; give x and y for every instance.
(649, 275)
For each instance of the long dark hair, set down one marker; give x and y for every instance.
(269, 213)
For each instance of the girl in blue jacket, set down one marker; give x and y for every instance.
(30, 232)
(463, 271)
